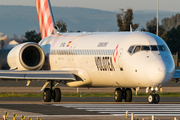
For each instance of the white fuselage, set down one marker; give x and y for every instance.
(104, 60)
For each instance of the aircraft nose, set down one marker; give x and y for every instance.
(157, 72)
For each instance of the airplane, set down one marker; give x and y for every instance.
(125, 60)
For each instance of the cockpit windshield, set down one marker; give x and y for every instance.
(145, 47)
(130, 50)
(154, 48)
(137, 48)
(162, 48)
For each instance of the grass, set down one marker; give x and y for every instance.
(21, 95)
(85, 95)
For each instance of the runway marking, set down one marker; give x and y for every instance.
(120, 109)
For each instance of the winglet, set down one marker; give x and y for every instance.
(45, 17)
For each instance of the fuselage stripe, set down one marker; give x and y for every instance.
(82, 52)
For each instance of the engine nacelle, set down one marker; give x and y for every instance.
(26, 56)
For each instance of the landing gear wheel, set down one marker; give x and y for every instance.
(118, 95)
(157, 99)
(57, 95)
(128, 95)
(47, 95)
(151, 98)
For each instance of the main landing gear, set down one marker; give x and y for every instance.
(50, 93)
(123, 93)
(153, 98)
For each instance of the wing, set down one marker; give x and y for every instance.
(38, 75)
(177, 74)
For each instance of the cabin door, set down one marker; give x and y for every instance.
(120, 59)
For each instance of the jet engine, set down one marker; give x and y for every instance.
(26, 56)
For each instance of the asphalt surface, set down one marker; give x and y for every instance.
(35, 107)
(35, 87)
(138, 100)
(89, 110)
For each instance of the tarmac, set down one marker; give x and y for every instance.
(35, 87)
(62, 111)
(35, 107)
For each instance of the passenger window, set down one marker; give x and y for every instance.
(154, 48)
(137, 49)
(130, 50)
(145, 48)
(161, 48)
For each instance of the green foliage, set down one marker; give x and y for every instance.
(21, 95)
(61, 25)
(2, 44)
(169, 23)
(151, 27)
(173, 40)
(32, 36)
(124, 21)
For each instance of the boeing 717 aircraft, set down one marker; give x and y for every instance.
(124, 60)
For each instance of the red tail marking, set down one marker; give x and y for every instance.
(44, 17)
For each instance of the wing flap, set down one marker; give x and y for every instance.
(38, 75)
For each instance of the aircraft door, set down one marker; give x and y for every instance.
(120, 59)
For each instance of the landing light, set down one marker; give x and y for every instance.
(152, 89)
(156, 88)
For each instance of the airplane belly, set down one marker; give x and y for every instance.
(101, 79)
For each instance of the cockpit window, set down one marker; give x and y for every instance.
(138, 48)
(147, 48)
(162, 48)
(130, 50)
(154, 48)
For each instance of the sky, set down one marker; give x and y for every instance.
(108, 5)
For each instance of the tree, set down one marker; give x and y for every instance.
(124, 21)
(151, 27)
(173, 22)
(152, 22)
(32, 36)
(2, 44)
(173, 41)
(61, 26)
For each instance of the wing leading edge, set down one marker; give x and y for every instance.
(38, 75)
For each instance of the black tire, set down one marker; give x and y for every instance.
(156, 99)
(47, 95)
(118, 95)
(57, 95)
(151, 98)
(128, 95)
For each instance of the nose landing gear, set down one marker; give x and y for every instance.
(153, 98)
